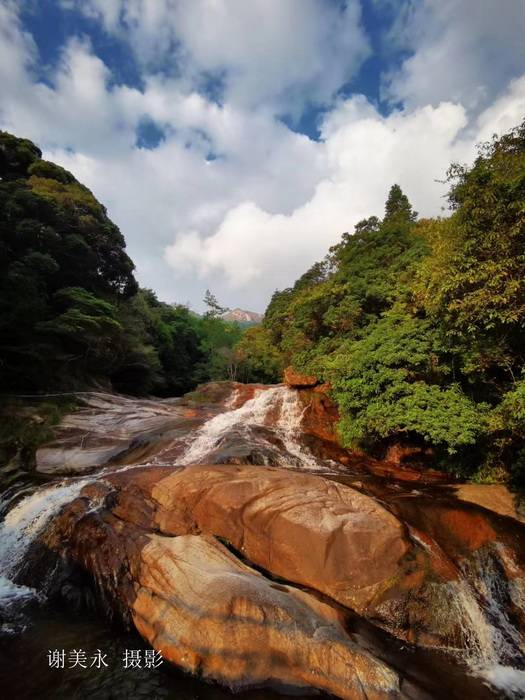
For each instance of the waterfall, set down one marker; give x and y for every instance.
(22, 525)
(24, 522)
(494, 646)
(279, 401)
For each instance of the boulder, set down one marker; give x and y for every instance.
(302, 527)
(299, 381)
(211, 614)
(248, 574)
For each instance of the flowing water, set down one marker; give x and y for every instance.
(494, 642)
(270, 421)
(22, 525)
(243, 422)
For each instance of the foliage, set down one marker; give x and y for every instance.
(420, 325)
(393, 381)
(218, 339)
(472, 284)
(71, 313)
(258, 359)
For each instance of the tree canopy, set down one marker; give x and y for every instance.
(419, 325)
(71, 313)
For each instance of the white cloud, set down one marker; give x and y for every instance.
(265, 52)
(272, 201)
(366, 153)
(461, 50)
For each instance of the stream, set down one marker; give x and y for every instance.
(266, 429)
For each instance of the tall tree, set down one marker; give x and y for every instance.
(398, 207)
(214, 308)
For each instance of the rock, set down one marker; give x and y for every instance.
(320, 415)
(399, 454)
(394, 566)
(311, 526)
(246, 574)
(296, 380)
(495, 497)
(114, 429)
(210, 613)
(107, 427)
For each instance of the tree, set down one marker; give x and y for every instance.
(420, 325)
(71, 313)
(398, 207)
(214, 308)
(473, 284)
(258, 360)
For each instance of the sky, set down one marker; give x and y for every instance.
(234, 141)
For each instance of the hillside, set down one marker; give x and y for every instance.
(419, 325)
(71, 313)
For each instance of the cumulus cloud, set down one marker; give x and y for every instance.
(231, 198)
(459, 50)
(366, 153)
(263, 52)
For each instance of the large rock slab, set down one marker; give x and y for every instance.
(299, 526)
(247, 574)
(106, 427)
(397, 565)
(211, 614)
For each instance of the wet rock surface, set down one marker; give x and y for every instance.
(235, 534)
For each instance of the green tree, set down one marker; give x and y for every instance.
(214, 308)
(257, 357)
(398, 207)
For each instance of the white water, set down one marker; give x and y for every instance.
(21, 527)
(28, 518)
(509, 680)
(477, 601)
(255, 414)
(492, 643)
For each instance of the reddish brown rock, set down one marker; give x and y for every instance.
(297, 380)
(210, 613)
(320, 415)
(495, 497)
(417, 568)
(399, 454)
(275, 517)
(207, 611)
(396, 566)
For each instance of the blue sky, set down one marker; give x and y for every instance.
(233, 141)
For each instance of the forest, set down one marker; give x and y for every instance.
(416, 325)
(72, 315)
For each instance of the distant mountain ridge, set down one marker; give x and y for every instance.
(242, 316)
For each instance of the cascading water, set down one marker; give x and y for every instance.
(24, 522)
(494, 643)
(490, 642)
(22, 525)
(272, 420)
(281, 402)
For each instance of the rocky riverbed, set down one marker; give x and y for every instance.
(231, 531)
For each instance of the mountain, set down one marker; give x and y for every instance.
(243, 317)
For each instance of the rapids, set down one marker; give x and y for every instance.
(267, 425)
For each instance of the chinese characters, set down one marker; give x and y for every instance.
(78, 658)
